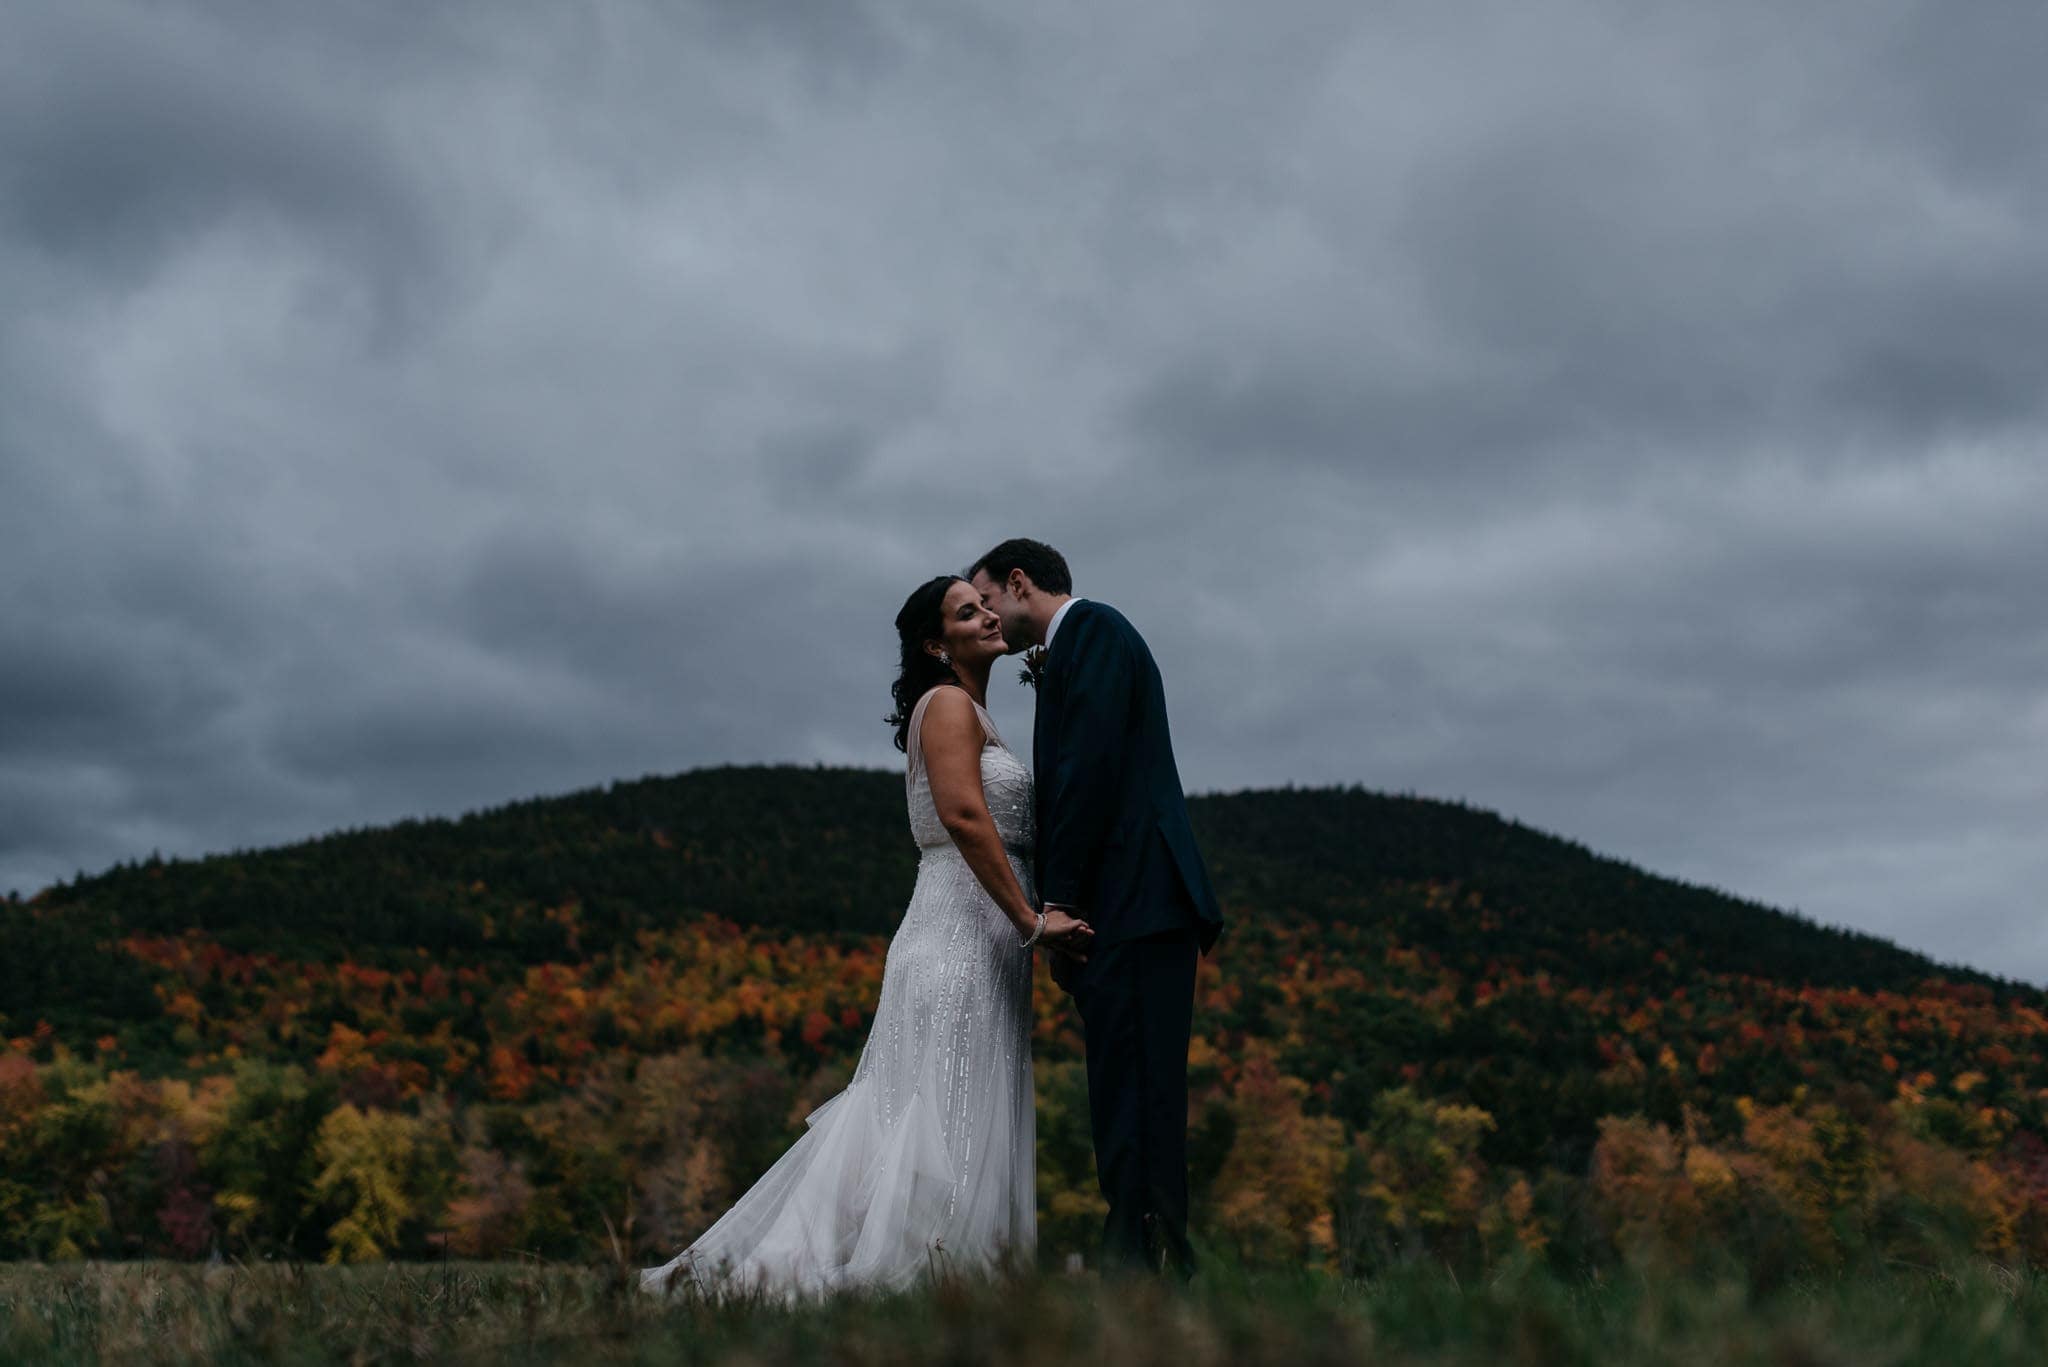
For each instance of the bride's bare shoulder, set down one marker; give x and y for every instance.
(949, 708)
(951, 720)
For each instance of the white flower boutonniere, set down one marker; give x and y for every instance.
(1034, 665)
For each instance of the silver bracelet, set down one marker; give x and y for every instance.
(1036, 931)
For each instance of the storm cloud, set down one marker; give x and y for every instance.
(1627, 417)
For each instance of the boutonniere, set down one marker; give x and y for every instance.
(1034, 665)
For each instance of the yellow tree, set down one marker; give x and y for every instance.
(365, 1161)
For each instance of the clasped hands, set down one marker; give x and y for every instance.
(1066, 932)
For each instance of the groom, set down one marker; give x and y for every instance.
(1115, 848)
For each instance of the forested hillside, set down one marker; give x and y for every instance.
(1426, 1030)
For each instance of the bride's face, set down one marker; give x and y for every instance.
(970, 633)
(1007, 606)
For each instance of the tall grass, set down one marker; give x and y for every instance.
(534, 1313)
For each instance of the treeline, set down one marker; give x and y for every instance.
(827, 850)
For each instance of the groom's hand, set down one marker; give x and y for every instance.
(1066, 932)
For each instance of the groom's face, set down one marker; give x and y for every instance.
(1008, 607)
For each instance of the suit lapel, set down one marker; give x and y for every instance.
(1042, 707)
(1051, 696)
(1056, 658)
(1051, 691)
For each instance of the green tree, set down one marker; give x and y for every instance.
(262, 1161)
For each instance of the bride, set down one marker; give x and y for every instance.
(927, 1161)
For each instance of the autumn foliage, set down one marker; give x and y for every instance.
(1428, 1035)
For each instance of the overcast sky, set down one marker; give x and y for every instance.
(1630, 417)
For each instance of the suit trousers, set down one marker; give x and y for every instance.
(1137, 1002)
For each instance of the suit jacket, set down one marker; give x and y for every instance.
(1113, 833)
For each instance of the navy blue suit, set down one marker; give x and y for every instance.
(1114, 842)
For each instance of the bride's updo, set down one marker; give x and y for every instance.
(920, 621)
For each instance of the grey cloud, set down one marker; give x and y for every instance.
(1629, 420)
(835, 39)
(123, 141)
(1963, 356)
(1625, 254)
(1560, 300)
(1970, 93)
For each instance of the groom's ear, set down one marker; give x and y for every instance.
(1019, 584)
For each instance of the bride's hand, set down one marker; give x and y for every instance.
(1066, 932)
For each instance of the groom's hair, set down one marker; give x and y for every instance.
(1046, 566)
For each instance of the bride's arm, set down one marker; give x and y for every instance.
(953, 738)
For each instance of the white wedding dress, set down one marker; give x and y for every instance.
(927, 1161)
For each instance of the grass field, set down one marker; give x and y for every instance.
(511, 1313)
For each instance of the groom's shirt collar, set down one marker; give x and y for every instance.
(1052, 628)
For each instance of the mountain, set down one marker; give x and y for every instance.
(813, 850)
(730, 923)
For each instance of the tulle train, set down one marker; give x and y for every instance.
(860, 1202)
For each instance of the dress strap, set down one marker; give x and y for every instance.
(988, 723)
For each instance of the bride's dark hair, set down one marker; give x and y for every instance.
(920, 621)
